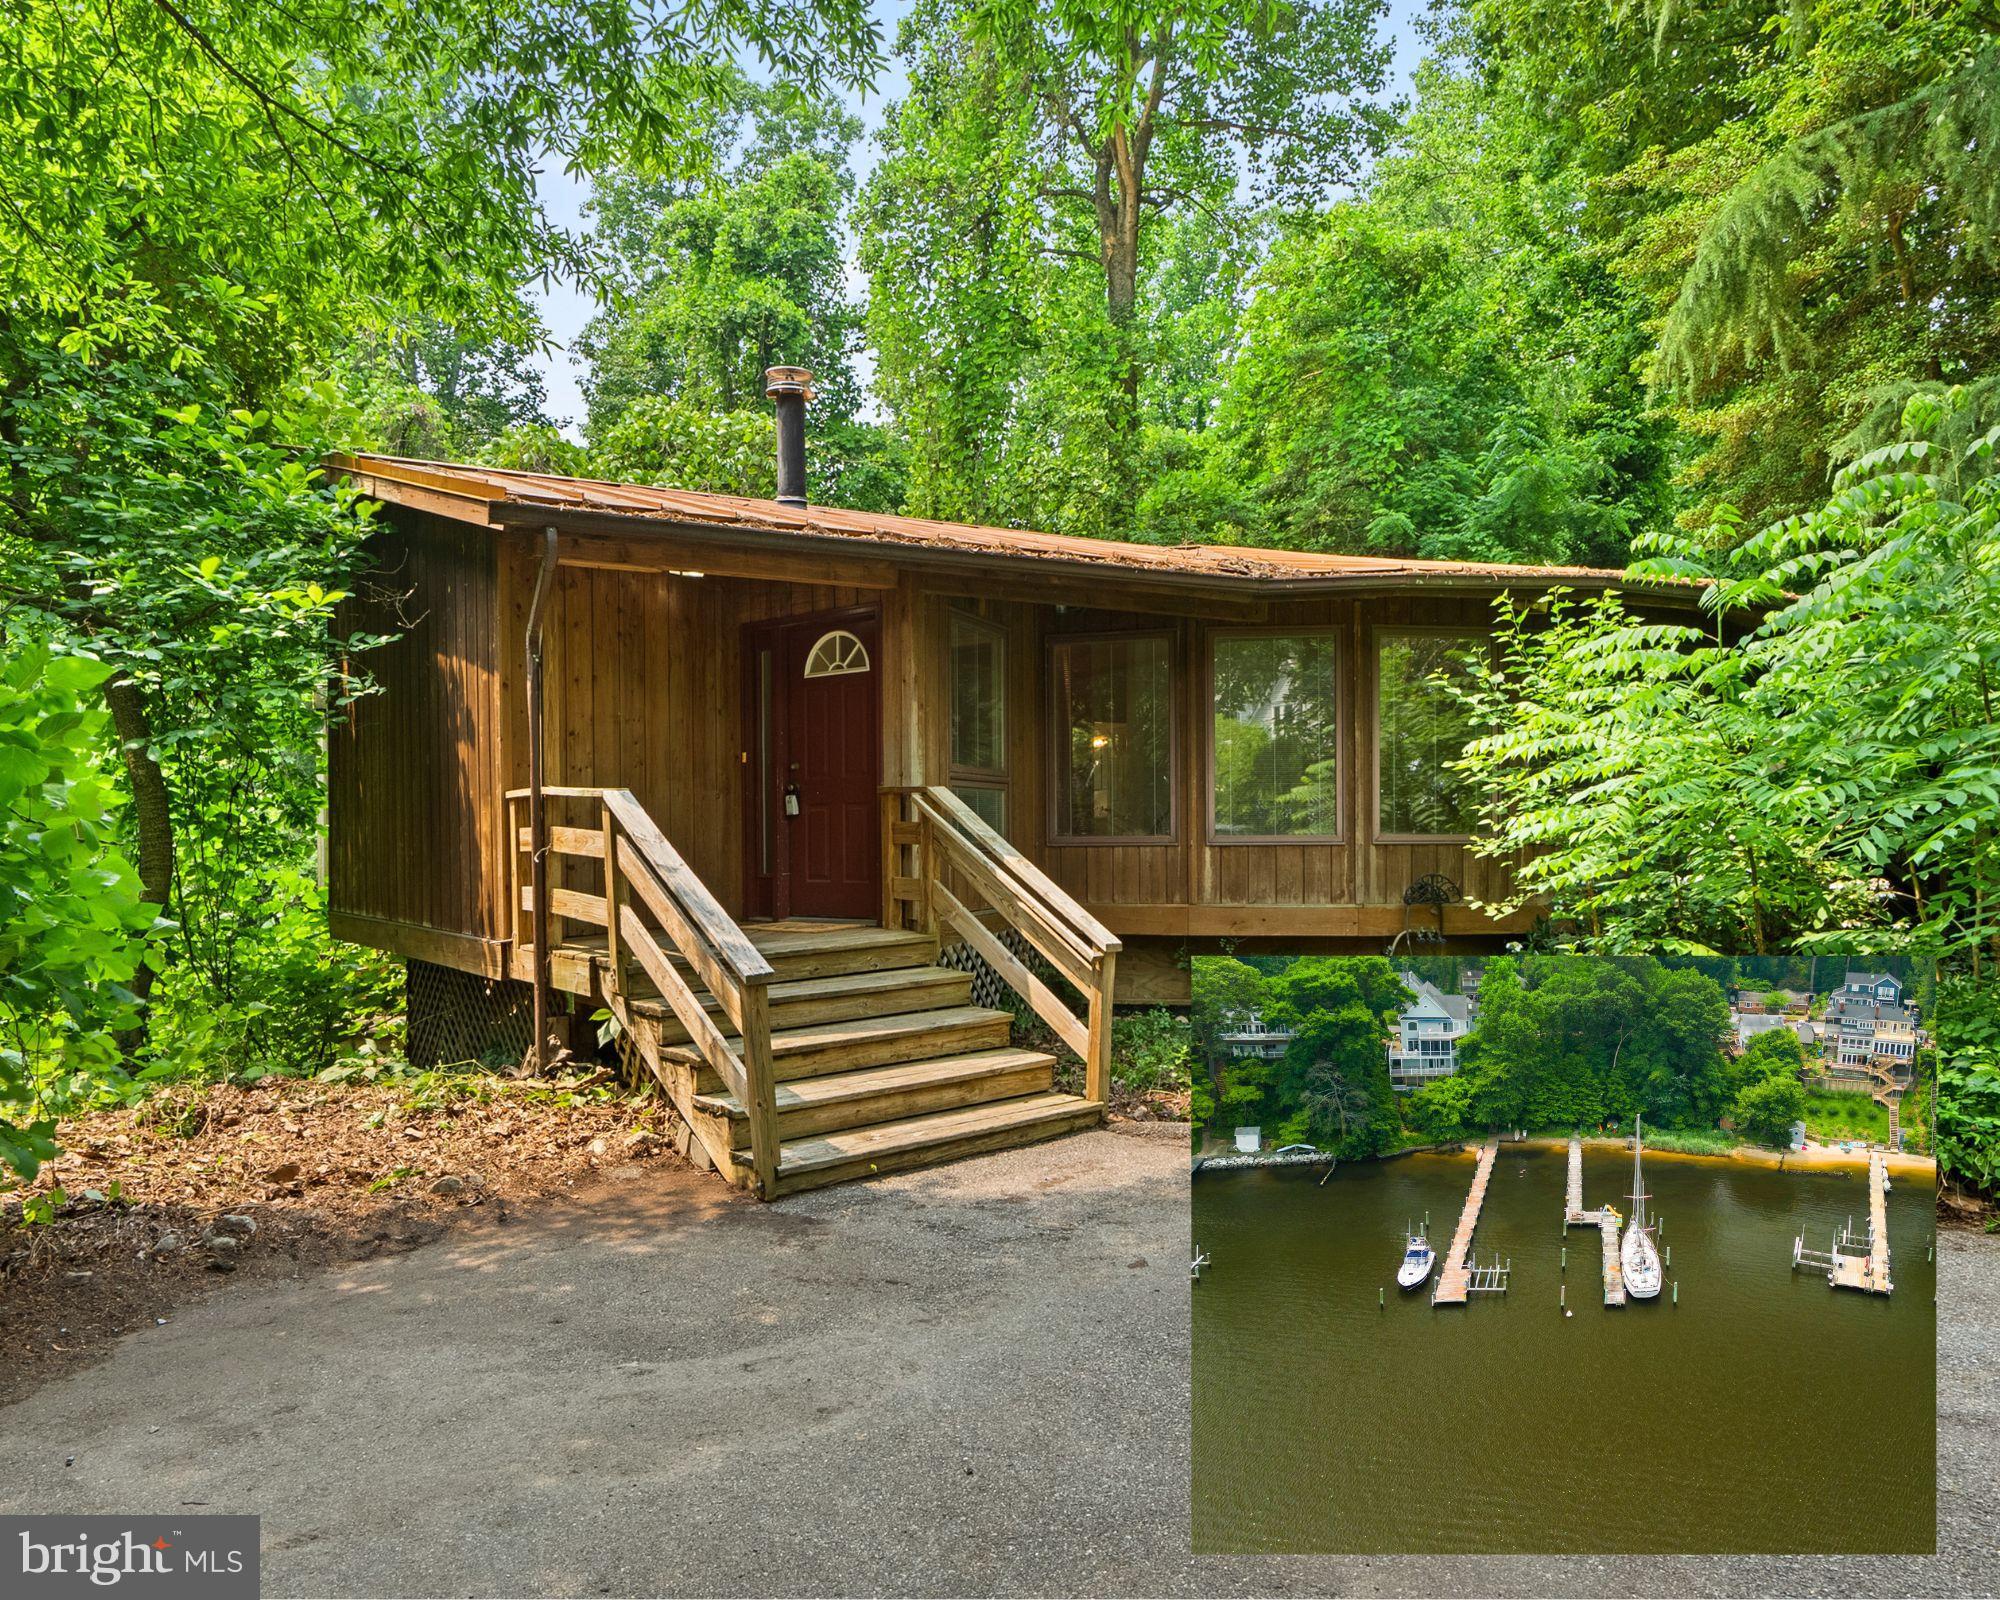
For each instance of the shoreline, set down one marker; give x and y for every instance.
(1813, 1158)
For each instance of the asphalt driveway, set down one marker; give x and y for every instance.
(966, 1381)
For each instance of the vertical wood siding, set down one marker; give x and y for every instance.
(413, 770)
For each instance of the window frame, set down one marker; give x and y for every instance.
(1343, 744)
(1054, 724)
(957, 771)
(1377, 632)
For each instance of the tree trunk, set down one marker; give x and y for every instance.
(1118, 240)
(150, 813)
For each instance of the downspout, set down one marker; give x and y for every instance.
(538, 818)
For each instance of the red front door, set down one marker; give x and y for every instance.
(812, 704)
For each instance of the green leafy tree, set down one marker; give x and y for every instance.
(1223, 991)
(1800, 193)
(427, 392)
(1443, 368)
(1334, 1086)
(1024, 176)
(1774, 1053)
(1968, 1083)
(1765, 1110)
(202, 201)
(713, 283)
(1837, 766)
(71, 937)
(1575, 1041)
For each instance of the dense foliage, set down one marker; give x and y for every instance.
(236, 234)
(1562, 1042)
(1823, 758)
(71, 914)
(1714, 288)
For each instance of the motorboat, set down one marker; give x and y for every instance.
(1418, 1259)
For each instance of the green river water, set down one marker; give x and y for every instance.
(1765, 1411)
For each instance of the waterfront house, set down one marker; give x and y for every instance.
(1428, 1030)
(1872, 988)
(1250, 1035)
(1869, 1031)
(793, 791)
(1249, 1141)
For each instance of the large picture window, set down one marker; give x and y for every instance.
(1421, 728)
(1112, 713)
(1276, 736)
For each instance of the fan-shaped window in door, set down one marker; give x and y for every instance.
(836, 655)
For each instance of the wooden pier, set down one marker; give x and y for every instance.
(1870, 1272)
(1604, 1220)
(1455, 1283)
(1853, 1263)
(1573, 1211)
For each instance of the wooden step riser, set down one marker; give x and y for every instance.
(932, 1155)
(926, 995)
(891, 1106)
(878, 1052)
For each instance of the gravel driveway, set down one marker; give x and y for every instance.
(970, 1380)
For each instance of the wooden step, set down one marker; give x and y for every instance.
(804, 1001)
(842, 1100)
(830, 952)
(928, 1140)
(867, 1042)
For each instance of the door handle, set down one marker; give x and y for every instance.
(791, 799)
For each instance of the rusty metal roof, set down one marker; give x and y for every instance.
(497, 495)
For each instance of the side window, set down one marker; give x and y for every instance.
(1420, 730)
(979, 718)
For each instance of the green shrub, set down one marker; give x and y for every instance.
(70, 914)
(1151, 1050)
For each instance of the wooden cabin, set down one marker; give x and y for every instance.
(818, 782)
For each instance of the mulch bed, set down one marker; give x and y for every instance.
(208, 1185)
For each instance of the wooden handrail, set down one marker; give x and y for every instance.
(637, 862)
(1058, 899)
(953, 846)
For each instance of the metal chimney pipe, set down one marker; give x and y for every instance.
(791, 388)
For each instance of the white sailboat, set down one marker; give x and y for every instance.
(1418, 1259)
(1638, 1254)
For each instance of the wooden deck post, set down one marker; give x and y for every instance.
(763, 1098)
(892, 859)
(1097, 1069)
(614, 900)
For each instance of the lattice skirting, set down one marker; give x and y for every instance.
(457, 1017)
(988, 987)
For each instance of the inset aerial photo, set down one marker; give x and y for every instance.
(1560, 1254)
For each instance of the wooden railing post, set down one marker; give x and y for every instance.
(892, 858)
(927, 875)
(763, 1098)
(1097, 1069)
(614, 901)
